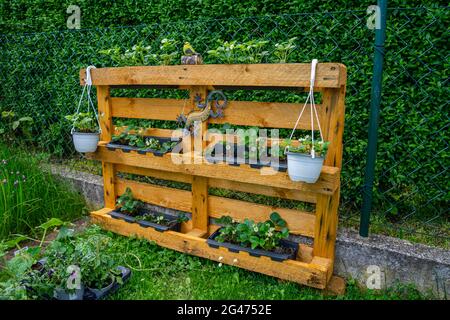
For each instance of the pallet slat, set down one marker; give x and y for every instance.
(260, 114)
(327, 183)
(222, 184)
(256, 75)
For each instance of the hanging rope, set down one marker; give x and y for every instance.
(90, 104)
(310, 98)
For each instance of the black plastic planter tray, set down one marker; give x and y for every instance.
(255, 252)
(97, 294)
(236, 161)
(122, 216)
(113, 146)
(174, 224)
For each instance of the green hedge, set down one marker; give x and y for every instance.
(39, 76)
(43, 15)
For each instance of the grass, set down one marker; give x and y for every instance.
(30, 196)
(160, 273)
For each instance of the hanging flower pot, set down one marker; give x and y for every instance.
(302, 165)
(85, 126)
(85, 132)
(305, 160)
(85, 142)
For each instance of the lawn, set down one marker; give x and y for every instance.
(160, 273)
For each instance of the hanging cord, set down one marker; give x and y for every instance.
(90, 104)
(310, 98)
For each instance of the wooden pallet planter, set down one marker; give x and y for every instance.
(314, 264)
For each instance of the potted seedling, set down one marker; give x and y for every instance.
(97, 265)
(305, 160)
(161, 222)
(266, 238)
(127, 140)
(85, 131)
(127, 207)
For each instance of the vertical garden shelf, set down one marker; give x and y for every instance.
(314, 264)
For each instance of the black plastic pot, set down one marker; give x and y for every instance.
(122, 216)
(174, 225)
(97, 294)
(113, 146)
(255, 252)
(233, 160)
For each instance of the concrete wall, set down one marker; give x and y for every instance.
(377, 261)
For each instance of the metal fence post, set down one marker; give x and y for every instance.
(375, 100)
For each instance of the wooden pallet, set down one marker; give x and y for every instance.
(314, 265)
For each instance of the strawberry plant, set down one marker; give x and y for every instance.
(265, 235)
(127, 204)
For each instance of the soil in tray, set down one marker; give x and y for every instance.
(113, 145)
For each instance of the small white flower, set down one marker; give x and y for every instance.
(220, 264)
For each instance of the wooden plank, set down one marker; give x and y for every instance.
(298, 222)
(109, 192)
(328, 205)
(199, 142)
(157, 195)
(312, 274)
(222, 184)
(268, 114)
(104, 112)
(106, 126)
(327, 183)
(265, 75)
(148, 108)
(199, 191)
(260, 114)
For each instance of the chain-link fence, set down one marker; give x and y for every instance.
(39, 76)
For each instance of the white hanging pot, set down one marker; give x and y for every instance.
(85, 142)
(303, 167)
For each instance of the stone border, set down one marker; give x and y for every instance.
(375, 262)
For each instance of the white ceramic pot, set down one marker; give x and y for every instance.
(302, 167)
(85, 142)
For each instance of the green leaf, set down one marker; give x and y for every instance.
(275, 216)
(14, 242)
(15, 125)
(51, 223)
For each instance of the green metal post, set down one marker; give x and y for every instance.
(375, 100)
